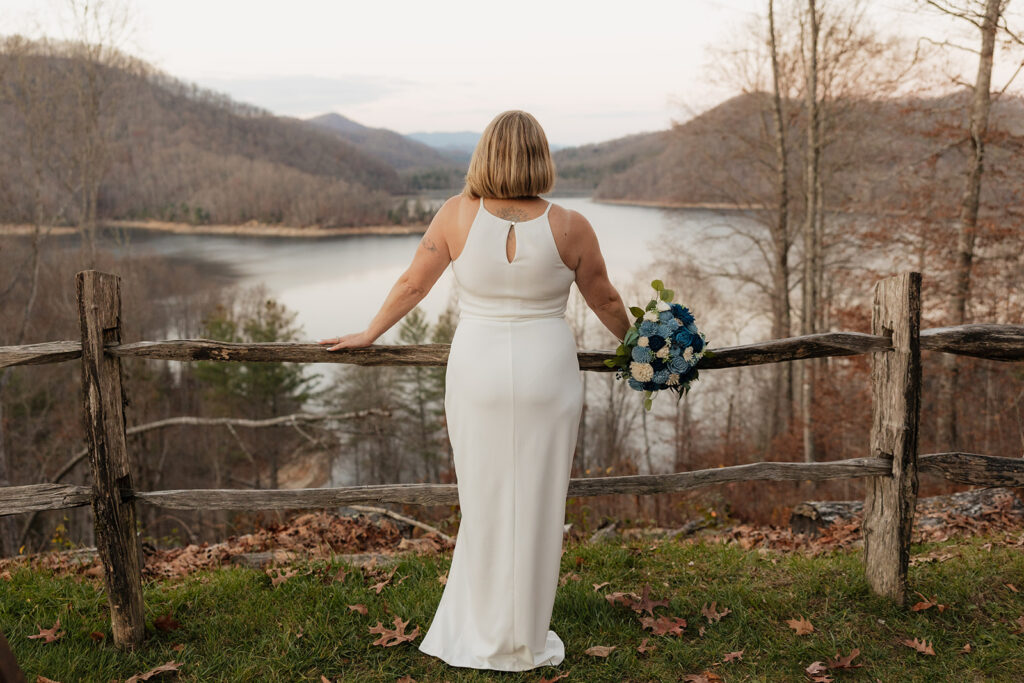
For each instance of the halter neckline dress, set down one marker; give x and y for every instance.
(513, 401)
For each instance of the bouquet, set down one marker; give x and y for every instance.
(662, 348)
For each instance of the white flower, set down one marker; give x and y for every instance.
(641, 372)
(673, 379)
(651, 315)
(662, 352)
(688, 354)
(642, 341)
(663, 305)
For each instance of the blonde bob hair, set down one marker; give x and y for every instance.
(512, 159)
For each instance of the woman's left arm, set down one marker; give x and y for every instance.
(431, 258)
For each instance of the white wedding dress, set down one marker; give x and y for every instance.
(513, 402)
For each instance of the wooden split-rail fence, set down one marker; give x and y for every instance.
(891, 468)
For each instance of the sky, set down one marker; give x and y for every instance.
(589, 71)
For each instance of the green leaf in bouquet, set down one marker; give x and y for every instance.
(648, 403)
(632, 335)
(636, 311)
(658, 285)
(667, 294)
(609, 362)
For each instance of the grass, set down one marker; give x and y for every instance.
(235, 626)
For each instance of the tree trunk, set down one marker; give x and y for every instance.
(968, 219)
(810, 241)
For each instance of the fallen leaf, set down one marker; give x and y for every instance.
(163, 668)
(671, 626)
(279, 576)
(801, 625)
(97, 636)
(730, 656)
(50, 634)
(818, 672)
(389, 637)
(443, 579)
(712, 614)
(556, 678)
(361, 608)
(924, 647)
(600, 650)
(966, 648)
(705, 677)
(324, 679)
(406, 679)
(644, 648)
(1012, 587)
(44, 679)
(844, 662)
(166, 622)
(645, 604)
(599, 586)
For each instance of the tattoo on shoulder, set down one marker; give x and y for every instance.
(428, 244)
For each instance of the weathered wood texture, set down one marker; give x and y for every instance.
(896, 409)
(965, 468)
(40, 354)
(813, 515)
(994, 342)
(99, 307)
(10, 672)
(33, 497)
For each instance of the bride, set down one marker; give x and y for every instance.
(513, 390)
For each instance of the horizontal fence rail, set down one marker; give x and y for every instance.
(963, 468)
(891, 470)
(989, 341)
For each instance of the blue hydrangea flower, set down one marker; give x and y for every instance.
(665, 316)
(642, 354)
(660, 376)
(647, 328)
(634, 384)
(664, 330)
(675, 350)
(677, 364)
(690, 326)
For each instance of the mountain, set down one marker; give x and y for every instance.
(456, 146)
(398, 151)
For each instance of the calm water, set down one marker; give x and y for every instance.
(336, 285)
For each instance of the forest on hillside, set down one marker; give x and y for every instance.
(850, 156)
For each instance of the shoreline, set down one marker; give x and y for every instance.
(250, 229)
(679, 205)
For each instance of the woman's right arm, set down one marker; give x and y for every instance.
(592, 278)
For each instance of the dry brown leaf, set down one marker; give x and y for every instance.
(599, 586)
(818, 672)
(97, 636)
(406, 679)
(1012, 587)
(644, 648)
(705, 677)
(966, 648)
(922, 646)
(49, 634)
(801, 625)
(44, 679)
(361, 608)
(712, 613)
(662, 626)
(600, 650)
(645, 604)
(389, 637)
(6, 576)
(1020, 624)
(841, 662)
(166, 622)
(279, 576)
(730, 656)
(324, 679)
(167, 667)
(556, 678)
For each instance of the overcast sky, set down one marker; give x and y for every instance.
(589, 71)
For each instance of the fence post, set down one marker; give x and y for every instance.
(896, 409)
(99, 308)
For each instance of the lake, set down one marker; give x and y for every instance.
(336, 285)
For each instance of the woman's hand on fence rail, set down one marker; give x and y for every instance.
(349, 341)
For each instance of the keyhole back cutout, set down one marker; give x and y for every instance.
(510, 243)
